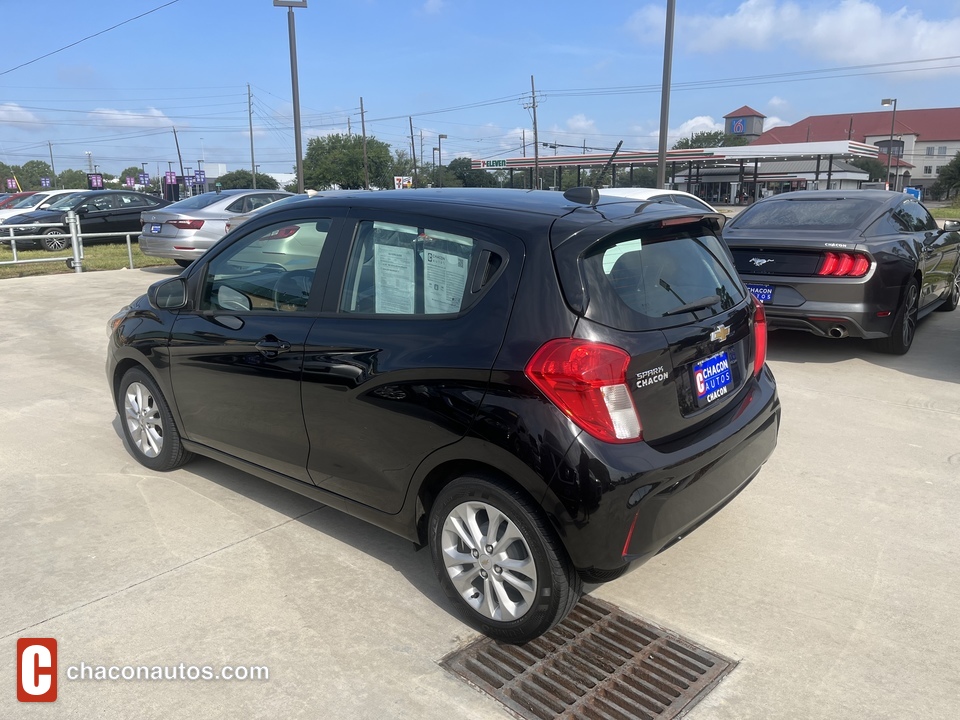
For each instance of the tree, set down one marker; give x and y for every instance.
(461, 170)
(73, 179)
(30, 172)
(948, 180)
(336, 161)
(243, 180)
(876, 170)
(709, 139)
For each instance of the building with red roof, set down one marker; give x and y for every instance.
(923, 140)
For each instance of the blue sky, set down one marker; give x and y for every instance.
(458, 67)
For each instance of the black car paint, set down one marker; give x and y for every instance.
(113, 220)
(866, 307)
(421, 426)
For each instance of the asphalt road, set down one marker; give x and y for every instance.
(833, 579)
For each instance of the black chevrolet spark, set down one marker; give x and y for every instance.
(543, 389)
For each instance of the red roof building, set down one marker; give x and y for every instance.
(923, 140)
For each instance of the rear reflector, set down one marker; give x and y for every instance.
(186, 224)
(759, 336)
(587, 382)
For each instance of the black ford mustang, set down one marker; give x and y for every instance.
(861, 263)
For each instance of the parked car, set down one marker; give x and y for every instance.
(677, 197)
(33, 201)
(186, 229)
(543, 390)
(13, 198)
(859, 263)
(99, 211)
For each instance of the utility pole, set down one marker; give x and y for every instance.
(52, 168)
(294, 79)
(536, 136)
(253, 164)
(180, 158)
(413, 151)
(349, 128)
(363, 127)
(665, 94)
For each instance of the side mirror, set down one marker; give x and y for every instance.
(951, 225)
(81, 211)
(168, 294)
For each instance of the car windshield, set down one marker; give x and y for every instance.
(67, 202)
(826, 213)
(29, 201)
(197, 202)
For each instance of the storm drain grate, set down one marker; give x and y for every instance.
(599, 663)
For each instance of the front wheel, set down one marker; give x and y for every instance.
(148, 423)
(54, 240)
(183, 263)
(905, 326)
(498, 560)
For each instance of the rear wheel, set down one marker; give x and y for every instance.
(183, 263)
(498, 561)
(905, 326)
(148, 423)
(54, 239)
(950, 304)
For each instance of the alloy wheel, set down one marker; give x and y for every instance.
(489, 561)
(910, 314)
(142, 416)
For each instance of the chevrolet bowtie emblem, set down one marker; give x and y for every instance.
(720, 334)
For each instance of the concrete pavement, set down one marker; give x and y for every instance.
(833, 578)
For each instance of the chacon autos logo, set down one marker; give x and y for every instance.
(760, 262)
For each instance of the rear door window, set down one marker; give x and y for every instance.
(650, 280)
(399, 269)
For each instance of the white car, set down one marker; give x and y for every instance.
(657, 195)
(37, 201)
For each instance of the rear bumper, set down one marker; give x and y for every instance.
(635, 500)
(831, 307)
(189, 248)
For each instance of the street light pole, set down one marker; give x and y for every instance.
(887, 102)
(292, 30)
(435, 160)
(665, 94)
(440, 138)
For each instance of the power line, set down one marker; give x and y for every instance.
(88, 37)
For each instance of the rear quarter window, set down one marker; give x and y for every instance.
(641, 281)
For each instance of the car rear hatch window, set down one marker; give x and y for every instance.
(806, 214)
(672, 301)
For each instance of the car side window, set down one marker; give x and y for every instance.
(236, 206)
(269, 270)
(130, 201)
(100, 202)
(406, 270)
(911, 216)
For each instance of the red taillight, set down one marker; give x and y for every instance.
(283, 233)
(186, 224)
(759, 336)
(587, 381)
(843, 264)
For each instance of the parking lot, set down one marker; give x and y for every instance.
(832, 579)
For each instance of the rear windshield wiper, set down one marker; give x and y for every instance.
(700, 304)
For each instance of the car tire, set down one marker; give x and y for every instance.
(513, 590)
(148, 424)
(950, 304)
(54, 240)
(905, 326)
(183, 263)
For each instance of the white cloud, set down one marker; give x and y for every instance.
(152, 118)
(700, 123)
(581, 125)
(773, 121)
(849, 32)
(777, 102)
(647, 24)
(432, 7)
(13, 113)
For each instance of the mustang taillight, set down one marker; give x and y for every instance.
(187, 224)
(759, 336)
(843, 264)
(587, 381)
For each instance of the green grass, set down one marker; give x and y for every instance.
(111, 256)
(946, 213)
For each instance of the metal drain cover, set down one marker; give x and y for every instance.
(600, 662)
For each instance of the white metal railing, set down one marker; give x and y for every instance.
(75, 259)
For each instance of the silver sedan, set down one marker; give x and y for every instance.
(186, 229)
